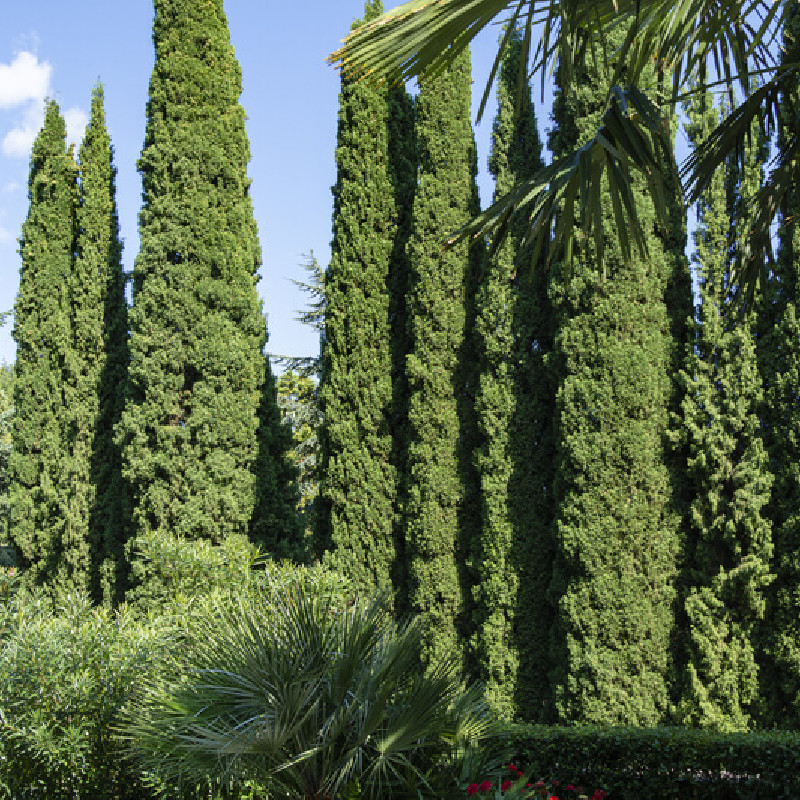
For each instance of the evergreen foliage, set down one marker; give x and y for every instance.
(440, 518)
(96, 369)
(6, 421)
(728, 539)
(203, 445)
(780, 350)
(512, 614)
(297, 399)
(359, 472)
(39, 494)
(616, 527)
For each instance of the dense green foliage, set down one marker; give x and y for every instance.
(95, 370)
(66, 672)
(780, 353)
(440, 517)
(6, 420)
(310, 698)
(728, 539)
(359, 472)
(203, 444)
(297, 399)
(632, 763)
(40, 510)
(616, 527)
(512, 613)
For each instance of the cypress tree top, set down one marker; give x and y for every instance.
(359, 480)
(441, 514)
(98, 361)
(197, 329)
(39, 493)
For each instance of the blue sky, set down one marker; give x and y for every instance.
(60, 50)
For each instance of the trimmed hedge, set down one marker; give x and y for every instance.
(662, 762)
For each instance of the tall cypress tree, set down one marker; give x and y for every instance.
(616, 528)
(780, 353)
(364, 331)
(6, 422)
(511, 612)
(439, 513)
(97, 366)
(729, 540)
(201, 418)
(39, 494)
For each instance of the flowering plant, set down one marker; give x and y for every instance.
(515, 786)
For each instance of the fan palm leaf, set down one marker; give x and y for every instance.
(306, 699)
(728, 45)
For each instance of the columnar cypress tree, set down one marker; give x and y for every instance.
(728, 538)
(6, 421)
(512, 613)
(616, 531)
(780, 348)
(438, 524)
(201, 423)
(97, 366)
(359, 475)
(39, 495)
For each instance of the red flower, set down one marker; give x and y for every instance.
(556, 783)
(570, 787)
(513, 768)
(486, 786)
(539, 785)
(506, 785)
(599, 794)
(552, 797)
(472, 789)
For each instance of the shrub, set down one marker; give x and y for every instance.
(309, 697)
(666, 762)
(66, 672)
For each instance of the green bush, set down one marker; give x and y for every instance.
(66, 672)
(663, 762)
(310, 697)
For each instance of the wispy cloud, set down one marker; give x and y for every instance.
(25, 83)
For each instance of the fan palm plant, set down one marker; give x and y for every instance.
(308, 699)
(724, 45)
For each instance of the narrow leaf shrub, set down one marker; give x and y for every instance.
(66, 672)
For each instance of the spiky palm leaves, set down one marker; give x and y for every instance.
(308, 700)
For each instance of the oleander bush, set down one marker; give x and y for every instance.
(663, 762)
(66, 672)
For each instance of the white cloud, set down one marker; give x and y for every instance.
(25, 83)
(17, 142)
(24, 80)
(76, 120)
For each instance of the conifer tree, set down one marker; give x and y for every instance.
(780, 354)
(439, 509)
(359, 471)
(96, 367)
(512, 612)
(201, 432)
(616, 528)
(39, 495)
(6, 421)
(729, 540)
